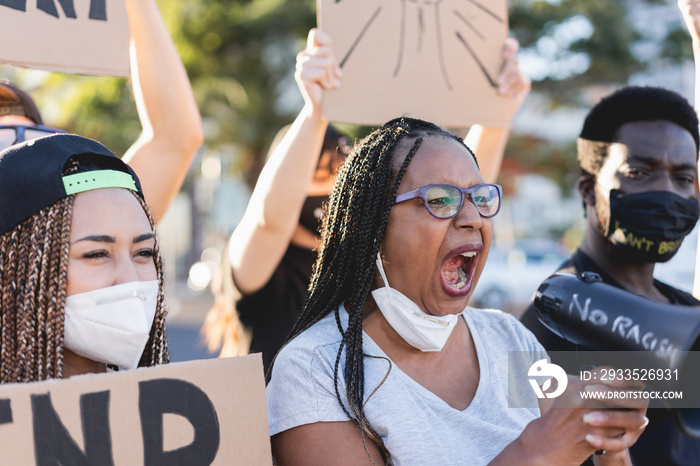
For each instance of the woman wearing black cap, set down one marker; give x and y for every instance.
(172, 128)
(270, 254)
(81, 282)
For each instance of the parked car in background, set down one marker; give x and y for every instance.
(514, 271)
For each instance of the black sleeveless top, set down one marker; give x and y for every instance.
(271, 311)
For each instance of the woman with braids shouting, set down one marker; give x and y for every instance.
(268, 259)
(81, 283)
(387, 363)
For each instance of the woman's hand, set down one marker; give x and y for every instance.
(578, 428)
(317, 68)
(512, 83)
(489, 142)
(691, 14)
(573, 429)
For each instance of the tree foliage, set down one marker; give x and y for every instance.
(240, 58)
(604, 48)
(580, 44)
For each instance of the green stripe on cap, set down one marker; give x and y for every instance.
(97, 179)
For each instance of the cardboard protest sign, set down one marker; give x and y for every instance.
(72, 36)
(431, 59)
(192, 413)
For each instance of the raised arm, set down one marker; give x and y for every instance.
(263, 235)
(172, 127)
(489, 142)
(691, 14)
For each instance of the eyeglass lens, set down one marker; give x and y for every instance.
(445, 201)
(10, 135)
(34, 133)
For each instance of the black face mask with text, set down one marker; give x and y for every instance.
(312, 213)
(649, 226)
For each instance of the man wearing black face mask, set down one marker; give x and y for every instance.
(638, 152)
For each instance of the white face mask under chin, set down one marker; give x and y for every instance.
(420, 330)
(111, 325)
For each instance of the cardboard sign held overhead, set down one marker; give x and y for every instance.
(431, 59)
(192, 413)
(71, 36)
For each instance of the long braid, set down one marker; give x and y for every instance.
(353, 229)
(8, 311)
(354, 366)
(33, 276)
(40, 296)
(26, 317)
(156, 351)
(60, 247)
(28, 335)
(4, 320)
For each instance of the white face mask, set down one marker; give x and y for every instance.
(112, 324)
(420, 330)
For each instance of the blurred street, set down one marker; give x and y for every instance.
(184, 323)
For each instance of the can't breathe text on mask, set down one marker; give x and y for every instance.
(649, 226)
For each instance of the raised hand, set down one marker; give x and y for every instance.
(317, 68)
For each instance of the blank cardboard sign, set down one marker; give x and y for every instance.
(192, 413)
(71, 36)
(431, 59)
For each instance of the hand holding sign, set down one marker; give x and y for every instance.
(511, 81)
(434, 60)
(317, 68)
(691, 14)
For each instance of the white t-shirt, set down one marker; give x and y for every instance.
(417, 427)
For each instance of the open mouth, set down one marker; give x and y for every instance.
(458, 270)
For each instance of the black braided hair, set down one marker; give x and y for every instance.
(353, 229)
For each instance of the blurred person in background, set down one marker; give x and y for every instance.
(268, 260)
(172, 127)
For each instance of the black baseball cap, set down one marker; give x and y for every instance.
(31, 174)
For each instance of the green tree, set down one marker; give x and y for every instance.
(597, 50)
(240, 58)
(579, 44)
